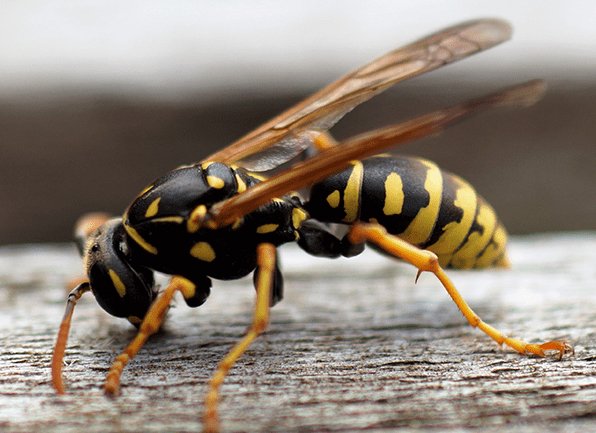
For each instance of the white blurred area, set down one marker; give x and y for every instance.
(178, 49)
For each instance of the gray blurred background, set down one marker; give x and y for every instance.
(99, 98)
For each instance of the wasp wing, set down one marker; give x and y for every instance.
(289, 133)
(335, 158)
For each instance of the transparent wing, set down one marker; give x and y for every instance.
(338, 157)
(292, 131)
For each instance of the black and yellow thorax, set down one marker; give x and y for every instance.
(160, 223)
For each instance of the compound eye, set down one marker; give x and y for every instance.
(86, 226)
(120, 288)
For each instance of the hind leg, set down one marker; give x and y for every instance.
(427, 261)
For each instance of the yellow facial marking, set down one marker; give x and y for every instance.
(152, 208)
(117, 282)
(267, 228)
(215, 182)
(139, 240)
(203, 251)
(352, 193)
(298, 216)
(422, 225)
(333, 199)
(394, 195)
(455, 232)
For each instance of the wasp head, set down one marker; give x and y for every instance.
(120, 288)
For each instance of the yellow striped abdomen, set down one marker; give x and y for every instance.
(415, 200)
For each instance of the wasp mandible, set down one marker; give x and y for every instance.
(221, 219)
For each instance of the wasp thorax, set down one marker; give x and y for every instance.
(173, 197)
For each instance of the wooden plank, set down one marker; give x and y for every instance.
(355, 345)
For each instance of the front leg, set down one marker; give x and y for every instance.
(427, 261)
(150, 324)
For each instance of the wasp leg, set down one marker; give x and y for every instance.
(277, 288)
(266, 255)
(427, 261)
(151, 323)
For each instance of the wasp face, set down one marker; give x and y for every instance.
(120, 287)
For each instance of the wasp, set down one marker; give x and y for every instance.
(221, 218)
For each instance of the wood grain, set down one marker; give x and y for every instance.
(354, 346)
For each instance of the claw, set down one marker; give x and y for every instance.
(418, 275)
(558, 346)
(550, 346)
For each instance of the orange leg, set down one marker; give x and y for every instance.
(60, 346)
(264, 283)
(151, 323)
(427, 261)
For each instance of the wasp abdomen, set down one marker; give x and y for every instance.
(415, 200)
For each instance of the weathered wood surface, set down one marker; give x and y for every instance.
(354, 346)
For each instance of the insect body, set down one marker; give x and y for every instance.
(163, 236)
(220, 219)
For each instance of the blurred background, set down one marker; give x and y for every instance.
(99, 98)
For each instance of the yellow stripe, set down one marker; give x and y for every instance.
(169, 219)
(394, 195)
(352, 192)
(455, 232)
(241, 184)
(139, 240)
(117, 282)
(495, 249)
(257, 176)
(147, 189)
(466, 256)
(422, 225)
